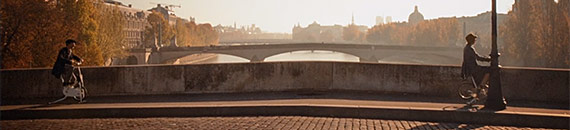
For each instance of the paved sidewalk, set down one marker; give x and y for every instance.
(243, 123)
(317, 104)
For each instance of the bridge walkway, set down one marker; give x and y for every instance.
(317, 104)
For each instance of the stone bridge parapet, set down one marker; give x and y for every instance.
(526, 84)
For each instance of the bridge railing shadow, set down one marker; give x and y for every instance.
(249, 96)
(446, 126)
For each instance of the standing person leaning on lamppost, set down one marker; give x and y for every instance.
(469, 67)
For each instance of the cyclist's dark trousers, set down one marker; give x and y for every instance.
(479, 73)
(68, 77)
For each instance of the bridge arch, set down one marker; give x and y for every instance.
(287, 50)
(301, 50)
(163, 57)
(227, 57)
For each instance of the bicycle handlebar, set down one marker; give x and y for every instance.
(78, 62)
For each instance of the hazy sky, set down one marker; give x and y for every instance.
(281, 15)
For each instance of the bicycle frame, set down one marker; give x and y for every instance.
(77, 90)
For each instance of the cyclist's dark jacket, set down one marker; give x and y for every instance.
(64, 57)
(470, 57)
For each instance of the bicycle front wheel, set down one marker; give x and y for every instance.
(467, 91)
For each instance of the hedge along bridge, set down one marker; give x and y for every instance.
(522, 84)
(258, 53)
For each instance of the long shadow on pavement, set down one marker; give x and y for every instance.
(346, 95)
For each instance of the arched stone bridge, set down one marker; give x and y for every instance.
(258, 53)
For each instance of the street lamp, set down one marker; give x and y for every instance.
(495, 99)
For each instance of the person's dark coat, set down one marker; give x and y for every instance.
(64, 57)
(470, 57)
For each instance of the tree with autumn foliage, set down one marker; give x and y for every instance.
(536, 34)
(190, 34)
(34, 31)
(206, 35)
(183, 37)
(87, 26)
(381, 33)
(25, 25)
(352, 33)
(111, 34)
(158, 26)
(439, 32)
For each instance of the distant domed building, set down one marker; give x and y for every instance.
(416, 17)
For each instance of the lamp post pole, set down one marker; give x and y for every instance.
(495, 99)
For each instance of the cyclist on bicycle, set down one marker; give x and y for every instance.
(63, 66)
(470, 66)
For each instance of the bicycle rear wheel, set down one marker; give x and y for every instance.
(82, 94)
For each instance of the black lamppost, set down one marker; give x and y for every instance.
(495, 99)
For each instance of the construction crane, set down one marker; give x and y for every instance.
(168, 7)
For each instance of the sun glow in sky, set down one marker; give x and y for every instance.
(282, 15)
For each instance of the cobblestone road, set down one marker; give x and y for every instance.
(216, 123)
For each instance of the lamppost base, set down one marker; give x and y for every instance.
(495, 105)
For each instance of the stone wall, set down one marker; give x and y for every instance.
(525, 84)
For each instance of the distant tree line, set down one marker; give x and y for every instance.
(352, 33)
(534, 34)
(437, 32)
(187, 33)
(537, 33)
(192, 34)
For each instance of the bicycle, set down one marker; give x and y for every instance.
(76, 90)
(469, 90)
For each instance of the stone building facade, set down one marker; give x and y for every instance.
(317, 33)
(135, 24)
